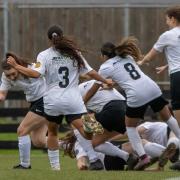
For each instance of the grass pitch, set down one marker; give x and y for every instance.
(41, 170)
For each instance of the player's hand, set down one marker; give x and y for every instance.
(11, 61)
(110, 83)
(160, 69)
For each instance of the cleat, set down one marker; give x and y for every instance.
(56, 168)
(168, 152)
(90, 125)
(97, 165)
(19, 166)
(175, 166)
(142, 164)
(175, 157)
(131, 162)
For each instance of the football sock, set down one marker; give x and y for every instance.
(153, 149)
(87, 146)
(111, 150)
(54, 159)
(135, 140)
(173, 125)
(24, 144)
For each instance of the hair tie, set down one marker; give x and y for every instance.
(54, 35)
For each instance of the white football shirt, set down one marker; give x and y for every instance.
(139, 88)
(34, 88)
(101, 98)
(155, 132)
(169, 42)
(62, 96)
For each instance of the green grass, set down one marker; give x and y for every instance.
(14, 137)
(41, 170)
(8, 136)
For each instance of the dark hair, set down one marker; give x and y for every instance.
(174, 12)
(128, 46)
(65, 45)
(5, 65)
(56, 29)
(69, 142)
(108, 49)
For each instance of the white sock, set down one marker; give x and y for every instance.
(153, 149)
(135, 140)
(174, 140)
(24, 150)
(54, 159)
(111, 150)
(87, 146)
(173, 125)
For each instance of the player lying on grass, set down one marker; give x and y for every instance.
(158, 141)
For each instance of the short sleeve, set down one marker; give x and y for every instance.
(87, 68)
(105, 72)
(5, 83)
(162, 42)
(40, 65)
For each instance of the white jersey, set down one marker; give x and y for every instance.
(169, 42)
(155, 132)
(139, 88)
(62, 96)
(101, 98)
(34, 88)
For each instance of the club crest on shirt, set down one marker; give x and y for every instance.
(37, 64)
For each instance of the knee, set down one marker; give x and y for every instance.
(21, 131)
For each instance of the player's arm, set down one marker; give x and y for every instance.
(149, 56)
(91, 92)
(24, 70)
(93, 74)
(3, 95)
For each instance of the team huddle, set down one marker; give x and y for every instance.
(98, 114)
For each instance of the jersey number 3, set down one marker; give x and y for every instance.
(132, 71)
(65, 72)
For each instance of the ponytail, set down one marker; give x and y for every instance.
(65, 45)
(128, 46)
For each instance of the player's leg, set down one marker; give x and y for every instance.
(81, 134)
(31, 121)
(174, 140)
(39, 135)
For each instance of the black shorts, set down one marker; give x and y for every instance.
(175, 90)
(112, 116)
(138, 112)
(58, 119)
(37, 107)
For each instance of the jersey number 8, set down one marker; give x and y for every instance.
(132, 71)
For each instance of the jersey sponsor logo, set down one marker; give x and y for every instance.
(37, 64)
